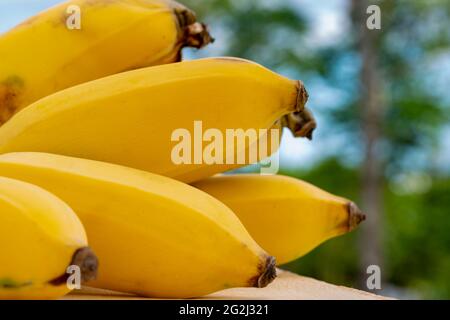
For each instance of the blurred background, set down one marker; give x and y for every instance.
(382, 101)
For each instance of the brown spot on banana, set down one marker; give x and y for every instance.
(10, 90)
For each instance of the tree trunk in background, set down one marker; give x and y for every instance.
(371, 115)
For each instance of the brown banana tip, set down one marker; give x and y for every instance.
(86, 260)
(302, 124)
(197, 35)
(355, 216)
(307, 126)
(302, 96)
(184, 15)
(268, 272)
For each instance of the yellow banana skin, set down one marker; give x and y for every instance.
(129, 118)
(40, 237)
(154, 236)
(286, 216)
(42, 55)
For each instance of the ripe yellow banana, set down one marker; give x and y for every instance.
(153, 235)
(43, 55)
(130, 118)
(40, 236)
(286, 216)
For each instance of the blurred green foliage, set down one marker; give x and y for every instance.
(416, 235)
(415, 36)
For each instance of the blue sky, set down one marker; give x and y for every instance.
(15, 11)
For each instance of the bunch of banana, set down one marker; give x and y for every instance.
(40, 238)
(50, 52)
(130, 118)
(286, 216)
(87, 141)
(154, 236)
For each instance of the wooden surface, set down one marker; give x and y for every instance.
(287, 286)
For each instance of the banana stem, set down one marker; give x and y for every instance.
(194, 34)
(197, 36)
(301, 122)
(355, 216)
(88, 263)
(302, 96)
(184, 15)
(268, 272)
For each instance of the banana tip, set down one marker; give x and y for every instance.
(356, 216)
(268, 272)
(302, 96)
(86, 260)
(308, 128)
(302, 124)
(88, 263)
(198, 35)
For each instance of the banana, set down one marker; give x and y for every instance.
(46, 53)
(153, 235)
(40, 236)
(286, 216)
(131, 118)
